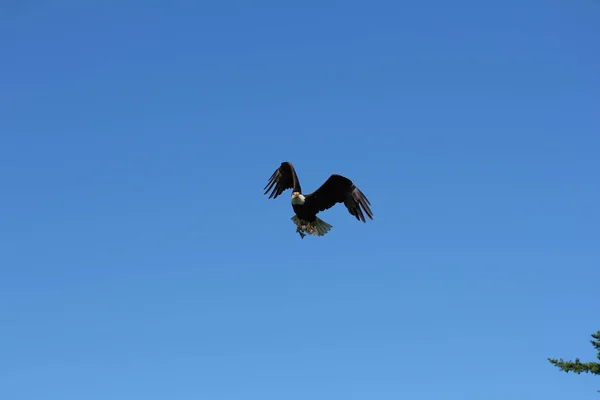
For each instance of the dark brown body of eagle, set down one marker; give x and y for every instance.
(336, 189)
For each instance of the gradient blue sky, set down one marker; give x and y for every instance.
(140, 260)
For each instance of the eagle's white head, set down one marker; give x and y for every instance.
(298, 199)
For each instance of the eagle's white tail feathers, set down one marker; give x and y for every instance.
(318, 226)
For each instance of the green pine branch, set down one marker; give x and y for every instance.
(577, 366)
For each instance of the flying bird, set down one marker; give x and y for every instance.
(336, 189)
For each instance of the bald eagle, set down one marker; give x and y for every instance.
(336, 189)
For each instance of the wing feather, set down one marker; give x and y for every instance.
(282, 179)
(339, 189)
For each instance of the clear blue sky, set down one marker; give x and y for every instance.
(140, 260)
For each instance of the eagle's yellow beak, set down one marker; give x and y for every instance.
(295, 194)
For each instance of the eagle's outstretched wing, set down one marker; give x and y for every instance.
(339, 189)
(282, 179)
